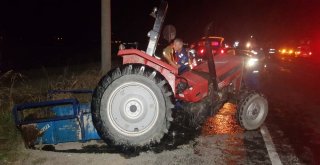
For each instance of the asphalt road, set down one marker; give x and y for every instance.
(292, 88)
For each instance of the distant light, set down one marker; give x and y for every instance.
(236, 44)
(248, 45)
(290, 51)
(254, 52)
(252, 62)
(201, 51)
(272, 51)
(215, 44)
(222, 51)
(310, 53)
(283, 51)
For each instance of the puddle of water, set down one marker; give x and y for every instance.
(222, 133)
(223, 122)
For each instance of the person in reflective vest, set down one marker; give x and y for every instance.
(181, 56)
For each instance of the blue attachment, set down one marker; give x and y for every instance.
(70, 121)
(23, 107)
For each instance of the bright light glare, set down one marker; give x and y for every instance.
(248, 45)
(254, 52)
(272, 51)
(236, 44)
(290, 51)
(252, 62)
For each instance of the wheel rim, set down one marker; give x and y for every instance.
(255, 111)
(132, 109)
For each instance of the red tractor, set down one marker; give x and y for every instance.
(132, 105)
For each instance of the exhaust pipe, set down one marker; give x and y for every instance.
(209, 54)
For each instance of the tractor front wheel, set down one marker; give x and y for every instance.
(131, 107)
(252, 110)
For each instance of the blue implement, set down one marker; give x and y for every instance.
(53, 122)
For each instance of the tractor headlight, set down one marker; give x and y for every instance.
(252, 62)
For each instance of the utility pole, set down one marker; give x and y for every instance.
(105, 36)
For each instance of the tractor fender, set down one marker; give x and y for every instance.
(134, 56)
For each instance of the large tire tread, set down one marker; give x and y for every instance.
(131, 69)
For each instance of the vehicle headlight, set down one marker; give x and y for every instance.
(252, 62)
(254, 52)
(290, 51)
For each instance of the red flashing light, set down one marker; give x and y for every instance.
(214, 43)
(202, 51)
(222, 51)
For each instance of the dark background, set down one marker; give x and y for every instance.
(38, 33)
(266, 19)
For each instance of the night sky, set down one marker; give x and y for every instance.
(42, 19)
(41, 22)
(267, 20)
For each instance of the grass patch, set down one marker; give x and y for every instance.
(10, 141)
(16, 88)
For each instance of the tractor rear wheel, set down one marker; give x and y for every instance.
(252, 110)
(131, 106)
